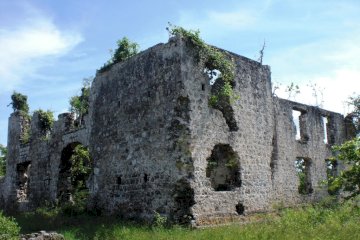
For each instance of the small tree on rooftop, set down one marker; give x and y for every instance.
(19, 102)
(125, 49)
(79, 104)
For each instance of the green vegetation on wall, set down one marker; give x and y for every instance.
(81, 166)
(19, 102)
(213, 61)
(3, 154)
(349, 179)
(46, 120)
(79, 104)
(125, 49)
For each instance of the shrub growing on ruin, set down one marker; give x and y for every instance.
(80, 171)
(125, 49)
(213, 60)
(19, 102)
(79, 104)
(46, 120)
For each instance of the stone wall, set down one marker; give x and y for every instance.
(157, 145)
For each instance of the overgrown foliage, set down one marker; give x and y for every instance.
(349, 179)
(355, 102)
(80, 171)
(125, 49)
(19, 102)
(9, 229)
(79, 104)
(213, 60)
(46, 120)
(3, 154)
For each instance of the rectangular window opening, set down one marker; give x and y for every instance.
(331, 173)
(22, 191)
(325, 128)
(296, 119)
(303, 169)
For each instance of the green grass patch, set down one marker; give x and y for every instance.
(308, 222)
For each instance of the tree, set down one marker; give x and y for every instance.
(46, 120)
(349, 153)
(19, 102)
(349, 179)
(355, 102)
(3, 153)
(79, 104)
(125, 49)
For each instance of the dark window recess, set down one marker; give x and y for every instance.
(331, 173)
(118, 180)
(22, 191)
(203, 87)
(146, 177)
(303, 170)
(223, 168)
(240, 208)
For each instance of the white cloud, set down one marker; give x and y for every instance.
(331, 64)
(23, 47)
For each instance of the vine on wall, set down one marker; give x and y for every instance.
(214, 61)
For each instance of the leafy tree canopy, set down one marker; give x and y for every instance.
(349, 179)
(46, 119)
(79, 104)
(355, 102)
(125, 49)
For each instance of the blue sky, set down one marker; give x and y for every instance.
(48, 47)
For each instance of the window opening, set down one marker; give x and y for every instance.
(303, 166)
(325, 127)
(296, 119)
(223, 168)
(22, 191)
(331, 173)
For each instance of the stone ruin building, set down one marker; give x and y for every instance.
(157, 145)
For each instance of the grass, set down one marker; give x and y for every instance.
(308, 222)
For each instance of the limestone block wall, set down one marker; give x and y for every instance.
(140, 135)
(32, 170)
(311, 146)
(252, 141)
(157, 145)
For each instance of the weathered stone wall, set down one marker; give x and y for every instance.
(33, 167)
(139, 113)
(157, 145)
